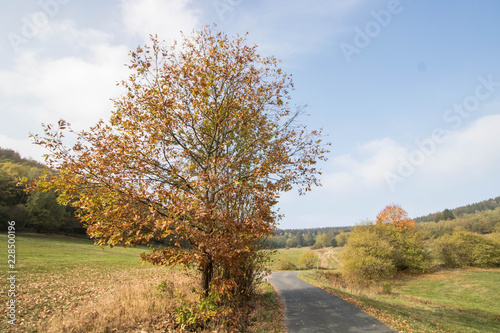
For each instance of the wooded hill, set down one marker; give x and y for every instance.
(450, 214)
(38, 211)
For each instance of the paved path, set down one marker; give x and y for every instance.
(311, 309)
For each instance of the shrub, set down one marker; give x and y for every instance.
(410, 252)
(308, 259)
(286, 265)
(316, 246)
(45, 214)
(368, 255)
(4, 217)
(193, 315)
(466, 249)
(386, 287)
(378, 251)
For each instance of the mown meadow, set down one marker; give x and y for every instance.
(70, 285)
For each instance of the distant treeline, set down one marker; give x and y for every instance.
(38, 211)
(450, 214)
(317, 237)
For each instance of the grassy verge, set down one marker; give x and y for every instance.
(447, 301)
(268, 313)
(69, 285)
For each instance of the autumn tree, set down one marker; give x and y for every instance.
(199, 147)
(397, 217)
(324, 240)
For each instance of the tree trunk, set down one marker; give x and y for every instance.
(207, 270)
(206, 276)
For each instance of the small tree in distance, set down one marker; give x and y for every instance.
(342, 238)
(290, 243)
(308, 259)
(397, 217)
(197, 150)
(448, 215)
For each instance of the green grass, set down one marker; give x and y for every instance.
(328, 257)
(447, 301)
(55, 253)
(291, 254)
(469, 290)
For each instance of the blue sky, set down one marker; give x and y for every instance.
(408, 91)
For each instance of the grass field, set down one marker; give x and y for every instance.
(68, 284)
(328, 257)
(446, 301)
(292, 255)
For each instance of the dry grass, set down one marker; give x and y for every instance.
(140, 305)
(329, 257)
(137, 306)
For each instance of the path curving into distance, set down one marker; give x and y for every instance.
(311, 309)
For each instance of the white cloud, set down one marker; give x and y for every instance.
(67, 33)
(76, 87)
(163, 17)
(25, 147)
(469, 152)
(474, 150)
(366, 170)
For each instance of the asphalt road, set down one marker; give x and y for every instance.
(311, 309)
